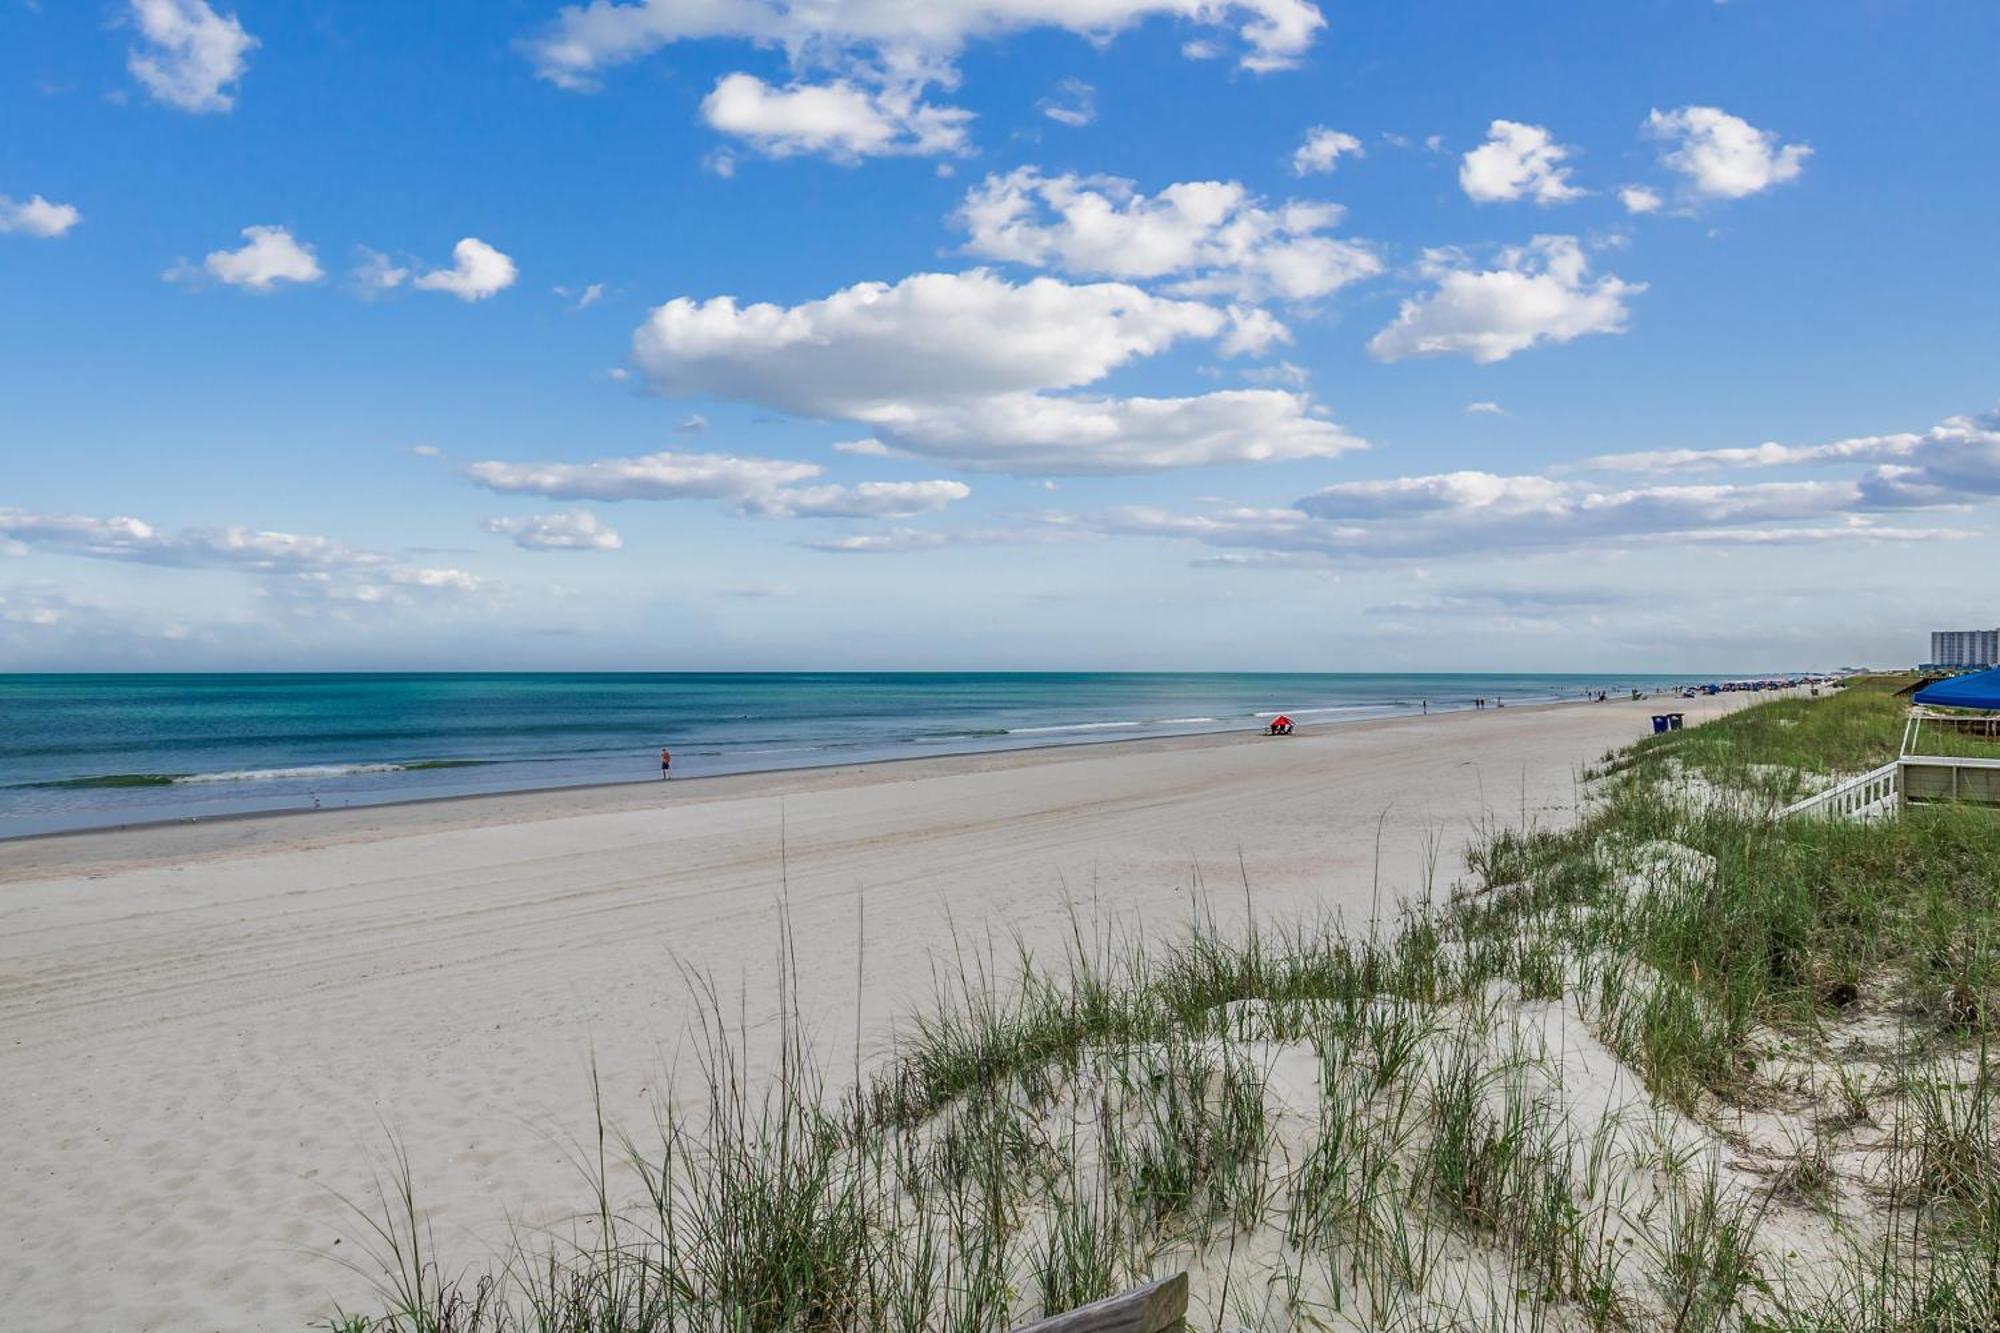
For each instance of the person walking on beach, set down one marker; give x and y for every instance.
(666, 765)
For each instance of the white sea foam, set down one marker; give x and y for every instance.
(1074, 726)
(292, 774)
(1309, 712)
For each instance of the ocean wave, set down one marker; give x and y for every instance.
(304, 773)
(1183, 721)
(1073, 726)
(1310, 712)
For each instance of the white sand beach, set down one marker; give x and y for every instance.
(209, 1033)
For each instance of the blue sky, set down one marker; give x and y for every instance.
(1120, 333)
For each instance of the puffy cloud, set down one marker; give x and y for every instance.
(477, 272)
(1724, 156)
(132, 539)
(586, 39)
(1873, 448)
(763, 487)
(1474, 512)
(661, 476)
(1639, 199)
(189, 56)
(1956, 461)
(1074, 103)
(1955, 464)
(1541, 293)
(290, 564)
(884, 54)
(1322, 150)
(839, 119)
(1215, 237)
(961, 367)
(36, 216)
(1517, 161)
(868, 499)
(570, 530)
(268, 258)
(867, 351)
(1040, 434)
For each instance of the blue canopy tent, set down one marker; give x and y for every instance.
(1979, 691)
(1958, 760)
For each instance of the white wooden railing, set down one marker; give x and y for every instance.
(1855, 798)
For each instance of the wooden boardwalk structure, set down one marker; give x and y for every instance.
(1157, 1307)
(1915, 778)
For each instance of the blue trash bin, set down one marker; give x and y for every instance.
(1674, 721)
(1659, 723)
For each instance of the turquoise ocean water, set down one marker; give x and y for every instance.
(79, 751)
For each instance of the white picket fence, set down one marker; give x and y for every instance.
(1856, 798)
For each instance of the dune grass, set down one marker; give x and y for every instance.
(1333, 1130)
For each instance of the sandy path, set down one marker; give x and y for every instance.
(204, 1031)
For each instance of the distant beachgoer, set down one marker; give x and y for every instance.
(1427, 707)
(666, 765)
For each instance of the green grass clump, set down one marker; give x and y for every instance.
(1053, 1129)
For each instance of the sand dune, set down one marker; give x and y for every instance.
(209, 1032)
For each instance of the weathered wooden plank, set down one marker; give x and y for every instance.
(1157, 1307)
(1973, 780)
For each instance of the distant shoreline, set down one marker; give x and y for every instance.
(143, 790)
(198, 837)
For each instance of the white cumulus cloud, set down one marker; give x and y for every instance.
(970, 368)
(189, 56)
(1724, 156)
(761, 487)
(1639, 199)
(36, 216)
(1955, 465)
(477, 272)
(883, 55)
(269, 258)
(1517, 161)
(285, 562)
(868, 350)
(662, 476)
(868, 499)
(839, 119)
(1540, 293)
(586, 39)
(1028, 434)
(1322, 150)
(569, 530)
(1214, 238)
